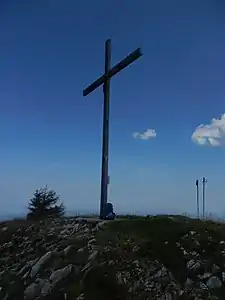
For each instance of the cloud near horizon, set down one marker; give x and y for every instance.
(146, 135)
(210, 134)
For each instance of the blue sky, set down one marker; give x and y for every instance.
(50, 134)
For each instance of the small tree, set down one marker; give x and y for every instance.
(44, 204)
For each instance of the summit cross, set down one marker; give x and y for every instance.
(105, 81)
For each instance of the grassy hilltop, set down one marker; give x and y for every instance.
(161, 257)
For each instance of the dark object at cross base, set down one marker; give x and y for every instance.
(109, 214)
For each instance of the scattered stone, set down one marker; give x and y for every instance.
(67, 250)
(35, 269)
(204, 276)
(60, 274)
(26, 267)
(189, 282)
(3, 229)
(193, 265)
(41, 261)
(92, 241)
(214, 282)
(46, 289)
(215, 269)
(223, 276)
(34, 289)
(93, 256)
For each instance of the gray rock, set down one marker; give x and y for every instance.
(214, 282)
(204, 276)
(93, 256)
(80, 250)
(34, 289)
(161, 272)
(188, 283)
(166, 297)
(135, 248)
(35, 269)
(101, 225)
(60, 274)
(92, 241)
(223, 276)
(215, 269)
(193, 265)
(203, 286)
(86, 267)
(26, 267)
(3, 229)
(67, 250)
(46, 289)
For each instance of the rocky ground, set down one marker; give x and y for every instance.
(163, 257)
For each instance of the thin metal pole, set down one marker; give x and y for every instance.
(197, 197)
(203, 197)
(105, 138)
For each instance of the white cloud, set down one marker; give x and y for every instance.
(148, 134)
(210, 134)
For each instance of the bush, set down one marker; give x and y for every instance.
(44, 204)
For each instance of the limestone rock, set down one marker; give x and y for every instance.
(35, 269)
(214, 282)
(60, 274)
(34, 289)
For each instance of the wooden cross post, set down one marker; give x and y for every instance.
(105, 81)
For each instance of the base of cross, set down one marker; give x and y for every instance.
(108, 212)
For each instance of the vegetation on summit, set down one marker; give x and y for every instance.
(45, 204)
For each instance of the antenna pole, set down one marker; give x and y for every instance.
(203, 196)
(197, 197)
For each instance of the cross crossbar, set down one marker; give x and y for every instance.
(113, 71)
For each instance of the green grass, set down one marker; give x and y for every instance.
(158, 236)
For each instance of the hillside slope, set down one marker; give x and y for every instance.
(162, 257)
